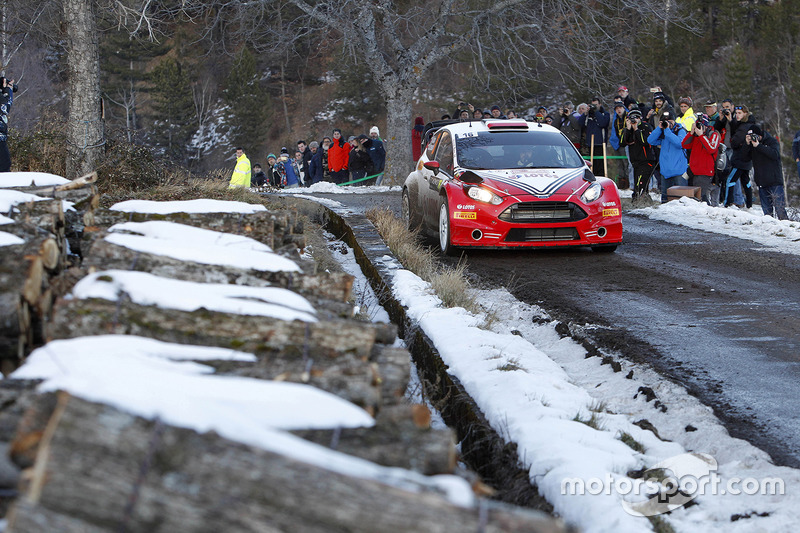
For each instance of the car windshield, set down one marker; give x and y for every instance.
(515, 149)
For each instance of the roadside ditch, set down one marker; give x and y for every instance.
(482, 449)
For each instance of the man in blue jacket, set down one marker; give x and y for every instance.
(672, 159)
(595, 124)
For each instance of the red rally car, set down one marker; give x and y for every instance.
(509, 183)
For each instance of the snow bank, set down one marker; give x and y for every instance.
(9, 199)
(751, 224)
(186, 206)
(7, 239)
(31, 179)
(207, 247)
(146, 289)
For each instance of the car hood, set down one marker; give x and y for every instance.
(541, 183)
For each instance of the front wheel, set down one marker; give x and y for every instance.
(408, 216)
(444, 228)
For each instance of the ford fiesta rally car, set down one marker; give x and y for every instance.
(509, 183)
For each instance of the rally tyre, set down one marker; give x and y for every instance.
(605, 249)
(408, 216)
(445, 244)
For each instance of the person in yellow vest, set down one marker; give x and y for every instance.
(687, 115)
(242, 172)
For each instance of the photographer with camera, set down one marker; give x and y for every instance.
(741, 165)
(595, 125)
(622, 168)
(568, 124)
(764, 151)
(7, 89)
(641, 154)
(671, 158)
(704, 143)
(463, 106)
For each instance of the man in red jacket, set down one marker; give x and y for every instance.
(338, 155)
(704, 143)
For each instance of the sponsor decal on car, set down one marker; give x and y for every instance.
(611, 212)
(609, 204)
(465, 206)
(465, 215)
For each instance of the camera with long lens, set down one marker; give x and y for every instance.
(754, 137)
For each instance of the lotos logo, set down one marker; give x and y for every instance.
(609, 204)
(465, 206)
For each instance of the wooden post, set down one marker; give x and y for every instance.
(591, 154)
(605, 161)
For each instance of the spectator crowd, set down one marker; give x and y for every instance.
(644, 146)
(655, 145)
(358, 160)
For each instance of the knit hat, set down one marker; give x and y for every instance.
(495, 107)
(634, 113)
(284, 150)
(351, 138)
(659, 96)
(272, 156)
(375, 130)
(619, 104)
(755, 128)
(362, 137)
(685, 100)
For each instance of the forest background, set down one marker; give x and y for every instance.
(190, 88)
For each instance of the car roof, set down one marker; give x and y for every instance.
(504, 125)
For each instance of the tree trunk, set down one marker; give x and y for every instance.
(398, 139)
(85, 129)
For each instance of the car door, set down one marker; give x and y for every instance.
(430, 193)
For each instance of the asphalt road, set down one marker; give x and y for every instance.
(719, 315)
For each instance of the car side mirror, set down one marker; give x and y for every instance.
(588, 176)
(433, 166)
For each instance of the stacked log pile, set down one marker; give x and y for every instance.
(92, 467)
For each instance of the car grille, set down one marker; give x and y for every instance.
(542, 234)
(533, 212)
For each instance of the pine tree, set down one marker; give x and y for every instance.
(249, 104)
(123, 76)
(174, 107)
(739, 78)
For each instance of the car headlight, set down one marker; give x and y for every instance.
(483, 195)
(592, 193)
